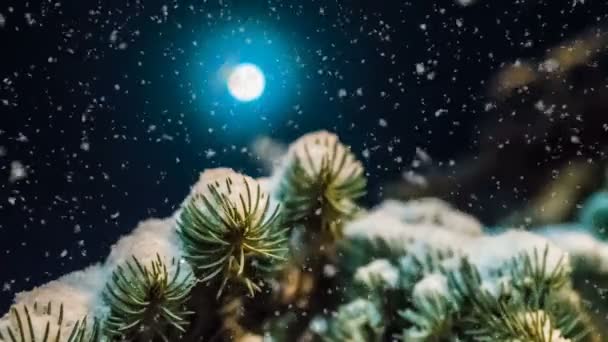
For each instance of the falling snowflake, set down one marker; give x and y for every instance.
(575, 2)
(209, 153)
(464, 3)
(17, 171)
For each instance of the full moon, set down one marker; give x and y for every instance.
(246, 82)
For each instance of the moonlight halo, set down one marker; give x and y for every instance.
(246, 82)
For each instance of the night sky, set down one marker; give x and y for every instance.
(110, 109)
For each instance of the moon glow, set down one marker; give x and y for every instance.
(246, 82)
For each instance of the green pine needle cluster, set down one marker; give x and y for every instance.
(430, 317)
(528, 307)
(22, 327)
(145, 300)
(325, 188)
(533, 304)
(356, 321)
(232, 240)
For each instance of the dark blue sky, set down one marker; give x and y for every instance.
(110, 107)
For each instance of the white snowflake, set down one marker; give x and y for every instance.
(17, 171)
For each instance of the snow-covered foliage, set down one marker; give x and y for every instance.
(582, 246)
(231, 229)
(150, 238)
(315, 149)
(421, 236)
(378, 271)
(63, 304)
(458, 275)
(319, 177)
(432, 211)
(430, 285)
(584, 239)
(239, 190)
(419, 270)
(358, 320)
(539, 319)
